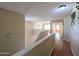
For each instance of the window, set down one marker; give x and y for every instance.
(47, 26)
(56, 27)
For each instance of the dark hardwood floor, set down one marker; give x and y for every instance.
(65, 51)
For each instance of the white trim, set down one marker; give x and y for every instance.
(38, 35)
(51, 51)
(67, 40)
(25, 50)
(72, 50)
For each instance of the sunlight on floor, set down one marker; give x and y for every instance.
(58, 40)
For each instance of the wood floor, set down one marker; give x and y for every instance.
(65, 51)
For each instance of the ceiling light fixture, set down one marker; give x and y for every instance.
(62, 6)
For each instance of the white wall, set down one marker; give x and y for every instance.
(39, 26)
(67, 29)
(71, 33)
(75, 35)
(75, 39)
(32, 30)
(28, 33)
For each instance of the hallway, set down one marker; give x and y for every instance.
(65, 51)
(30, 27)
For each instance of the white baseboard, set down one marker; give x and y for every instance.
(67, 40)
(72, 50)
(51, 51)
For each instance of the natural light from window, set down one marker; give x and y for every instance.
(47, 26)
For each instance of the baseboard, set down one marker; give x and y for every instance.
(51, 51)
(72, 50)
(67, 40)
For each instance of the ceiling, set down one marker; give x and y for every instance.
(35, 11)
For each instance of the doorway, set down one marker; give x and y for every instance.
(57, 26)
(57, 29)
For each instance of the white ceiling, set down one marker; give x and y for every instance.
(34, 11)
